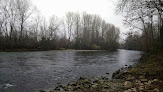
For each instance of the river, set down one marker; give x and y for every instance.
(30, 71)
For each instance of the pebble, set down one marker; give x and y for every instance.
(144, 80)
(94, 86)
(141, 84)
(141, 77)
(126, 91)
(149, 82)
(156, 90)
(130, 78)
(146, 83)
(155, 80)
(147, 87)
(133, 89)
(141, 89)
(137, 81)
(128, 84)
(107, 73)
(42, 91)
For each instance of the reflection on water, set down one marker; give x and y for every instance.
(34, 70)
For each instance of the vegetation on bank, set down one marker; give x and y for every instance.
(149, 70)
(150, 66)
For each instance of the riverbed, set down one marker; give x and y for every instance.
(31, 71)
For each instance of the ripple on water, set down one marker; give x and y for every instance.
(36, 69)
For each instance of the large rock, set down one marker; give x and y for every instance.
(128, 84)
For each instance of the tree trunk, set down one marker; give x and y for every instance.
(161, 37)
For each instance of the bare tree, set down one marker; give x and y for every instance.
(18, 30)
(96, 25)
(53, 27)
(23, 8)
(77, 25)
(141, 14)
(87, 28)
(69, 22)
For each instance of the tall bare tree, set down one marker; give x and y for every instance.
(77, 25)
(142, 14)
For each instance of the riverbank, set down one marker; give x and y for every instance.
(20, 50)
(28, 50)
(144, 77)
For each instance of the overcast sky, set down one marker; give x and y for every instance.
(104, 8)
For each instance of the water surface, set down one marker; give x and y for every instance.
(29, 71)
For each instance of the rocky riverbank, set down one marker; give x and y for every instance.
(146, 77)
(103, 84)
(129, 83)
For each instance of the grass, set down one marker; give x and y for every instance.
(151, 65)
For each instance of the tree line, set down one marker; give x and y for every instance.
(145, 17)
(21, 27)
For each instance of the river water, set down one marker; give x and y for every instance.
(30, 71)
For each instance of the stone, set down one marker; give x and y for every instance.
(107, 87)
(144, 80)
(156, 90)
(104, 78)
(107, 73)
(104, 90)
(129, 90)
(57, 89)
(155, 80)
(146, 83)
(73, 85)
(130, 78)
(42, 91)
(7, 85)
(141, 77)
(137, 81)
(141, 84)
(126, 91)
(129, 75)
(133, 89)
(94, 86)
(141, 89)
(128, 84)
(149, 82)
(147, 87)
